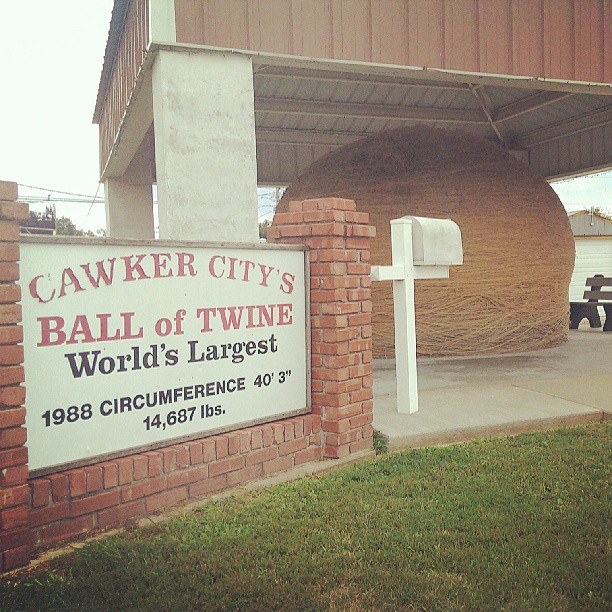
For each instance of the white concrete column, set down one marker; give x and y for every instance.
(204, 120)
(129, 209)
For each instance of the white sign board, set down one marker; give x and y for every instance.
(131, 345)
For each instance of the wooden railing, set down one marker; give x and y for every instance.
(129, 59)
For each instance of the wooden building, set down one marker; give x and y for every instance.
(208, 98)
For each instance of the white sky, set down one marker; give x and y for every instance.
(51, 54)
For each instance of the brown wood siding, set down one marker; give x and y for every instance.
(268, 22)
(132, 48)
(495, 36)
(425, 42)
(527, 22)
(351, 30)
(311, 28)
(589, 37)
(563, 39)
(461, 25)
(389, 27)
(559, 39)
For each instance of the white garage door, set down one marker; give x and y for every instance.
(593, 256)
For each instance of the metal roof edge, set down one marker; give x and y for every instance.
(397, 70)
(528, 79)
(557, 178)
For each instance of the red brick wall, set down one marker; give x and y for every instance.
(15, 538)
(46, 510)
(341, 315)
(106, 494)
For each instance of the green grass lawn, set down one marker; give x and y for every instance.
(518, 523)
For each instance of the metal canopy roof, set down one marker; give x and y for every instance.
(306, 108)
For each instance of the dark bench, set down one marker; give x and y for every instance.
(595, 297)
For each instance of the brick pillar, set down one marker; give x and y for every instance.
(341, 316)
(16, 539)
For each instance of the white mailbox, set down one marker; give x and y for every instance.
(435, 242)
(420, 248)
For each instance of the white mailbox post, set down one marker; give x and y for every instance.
(420, 248)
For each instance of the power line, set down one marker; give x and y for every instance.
(82, 198)
(92, 202)
(81, 195)
(42, 199)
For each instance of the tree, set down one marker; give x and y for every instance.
(64, 226)
(269, 197)
(598, 210)
(48, 215)
(263, 228)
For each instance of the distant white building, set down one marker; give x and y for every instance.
(593, 237)
(588, 223)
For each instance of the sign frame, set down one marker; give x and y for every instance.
(119, 242)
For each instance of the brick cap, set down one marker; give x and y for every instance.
(322, 204)
(13, 211)
(8, 190)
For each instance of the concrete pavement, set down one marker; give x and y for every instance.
(465, 398)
